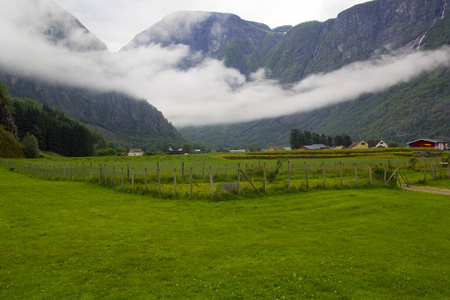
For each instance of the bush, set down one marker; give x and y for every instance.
(30, 146)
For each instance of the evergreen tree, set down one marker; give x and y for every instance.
(30, 146)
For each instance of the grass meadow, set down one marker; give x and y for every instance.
(77, 240)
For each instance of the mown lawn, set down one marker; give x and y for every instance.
(75, 240)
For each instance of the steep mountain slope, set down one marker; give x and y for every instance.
(240, 44)
(418, 109)
(9, 144)
(118, 116)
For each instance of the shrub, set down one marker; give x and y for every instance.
(30, 146)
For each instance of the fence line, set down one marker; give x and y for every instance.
(141, 179)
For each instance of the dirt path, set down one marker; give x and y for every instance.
(428, 189)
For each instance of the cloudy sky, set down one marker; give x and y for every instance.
(116, 22)
(208, 93)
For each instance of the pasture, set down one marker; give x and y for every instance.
(77, 240)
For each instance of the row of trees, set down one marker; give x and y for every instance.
(53, 130)
(299, 139)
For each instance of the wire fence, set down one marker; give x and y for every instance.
(200, 180)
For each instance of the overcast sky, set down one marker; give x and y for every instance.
(116, 22)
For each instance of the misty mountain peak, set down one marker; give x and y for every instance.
(207, 32)
(49, 20)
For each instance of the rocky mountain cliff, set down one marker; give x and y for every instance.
(290, 54)
(118, 116)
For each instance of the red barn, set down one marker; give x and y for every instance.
(425, 143)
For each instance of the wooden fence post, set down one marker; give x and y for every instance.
(211, 182)
(265, 178)
(146, 180)
(182, 169)
(440, 171)
(175, 182)
(191, 181)
(433, 172)
(306, 175)
(158, 174)
(114, 175)
(128, 171)
(288, 175)
(324, 176)
(123, 179)
(82, 166)
(239, 179)
(132, 179)
(425, 173)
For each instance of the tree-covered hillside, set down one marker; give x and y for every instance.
(405, 112)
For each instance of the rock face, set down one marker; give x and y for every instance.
(290, 54)
(118, 116)
(241, 44)
(6, 118)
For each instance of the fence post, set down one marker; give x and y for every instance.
(182, 169)
(356, 174)
(440, 171)
(324, 175)
(433, 172)
(114, 175)
(128, 170)
(306, 175)
(99, 172)
(106, 175)
(82, 166)
(191, 180)
(132, 179)
(145, 179)
(265, 177)
(123, 179)
(370, 173)
(175, 182)
(340, 167)
(77, 169)
(288, 175)
(239, 179)
(158, 174)
(211, 182)
(425, 173)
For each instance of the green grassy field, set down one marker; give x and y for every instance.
(75, 240)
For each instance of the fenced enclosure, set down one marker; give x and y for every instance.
(204, 177)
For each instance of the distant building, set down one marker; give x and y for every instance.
(135, 152)
(238, 151)
(377, 144)
(426, 143)
(277, 148)
(359, 145)
(340, 148)
(320, 146)
(309, 147)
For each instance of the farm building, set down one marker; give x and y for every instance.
(426, 143)
(377, 144)
(277, 148)
(135, 152)
(309, 147)
(359, 145)
(238, 151)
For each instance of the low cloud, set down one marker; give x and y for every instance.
(209, 93)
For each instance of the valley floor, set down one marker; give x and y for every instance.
(75, 240)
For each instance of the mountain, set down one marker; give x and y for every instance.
(9, 144)
(241, 44)
(357, 34)
(292, 53)
(118, 116)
